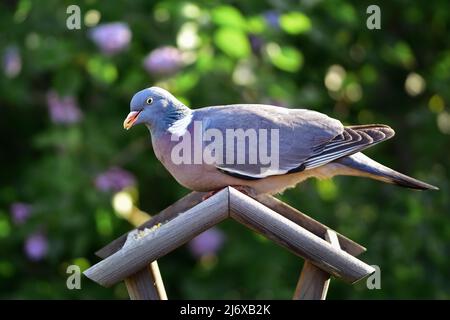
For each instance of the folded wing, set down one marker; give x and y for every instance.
(354, 139)
(307, 139)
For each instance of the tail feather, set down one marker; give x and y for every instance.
(359, 164)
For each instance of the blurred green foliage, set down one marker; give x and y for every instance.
(315, 54)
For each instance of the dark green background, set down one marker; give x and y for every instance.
(52, 166)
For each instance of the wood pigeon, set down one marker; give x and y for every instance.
(258, 148)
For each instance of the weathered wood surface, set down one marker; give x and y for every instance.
(314, 282)
(146, 284)
(190, 216)
(297, 239)
(169, 213)
(137, 253)
(308, 223)
(271, 202)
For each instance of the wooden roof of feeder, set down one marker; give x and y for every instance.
(326, 252)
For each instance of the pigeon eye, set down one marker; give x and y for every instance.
(149, 101)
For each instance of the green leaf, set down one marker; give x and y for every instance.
(103, 222)
(23, 9)
(327, 189)
(400, 54)
(186, 81)
(228, 16)
(6, 269)
(102, 70)
(233, 42)
(205, 61)
(5, 227)
(256, 25)
(403, 53)
(295, 23)
(369, 74)
(342, 12)
(441, 69)
(285, 58)
(82, 263)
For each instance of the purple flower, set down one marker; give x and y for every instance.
(12, 62)
(114, 179)
(111, 38)
(63, 109)
(207, 243)
(272, 18)
(20, 212)
(163, 61)
(36, 246)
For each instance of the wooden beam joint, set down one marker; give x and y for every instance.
(129, 256)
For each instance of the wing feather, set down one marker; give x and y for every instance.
(357, 139)
(307, 139)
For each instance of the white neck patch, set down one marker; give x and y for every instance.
(179, 127)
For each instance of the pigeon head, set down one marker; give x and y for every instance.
(156, 108)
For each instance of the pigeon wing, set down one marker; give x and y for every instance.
(300, 135)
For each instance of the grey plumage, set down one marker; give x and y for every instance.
(311, 144)
(312, 128)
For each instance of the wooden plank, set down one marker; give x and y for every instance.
(308, 223)
(146, 284)
(332, 238)
(271, 202)
(313, 282)
(137, 252)
(159, 284)
(297, 239)
(169, 213)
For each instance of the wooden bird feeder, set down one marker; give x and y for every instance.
(133, 257)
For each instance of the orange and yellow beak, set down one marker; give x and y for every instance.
(131, 119)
